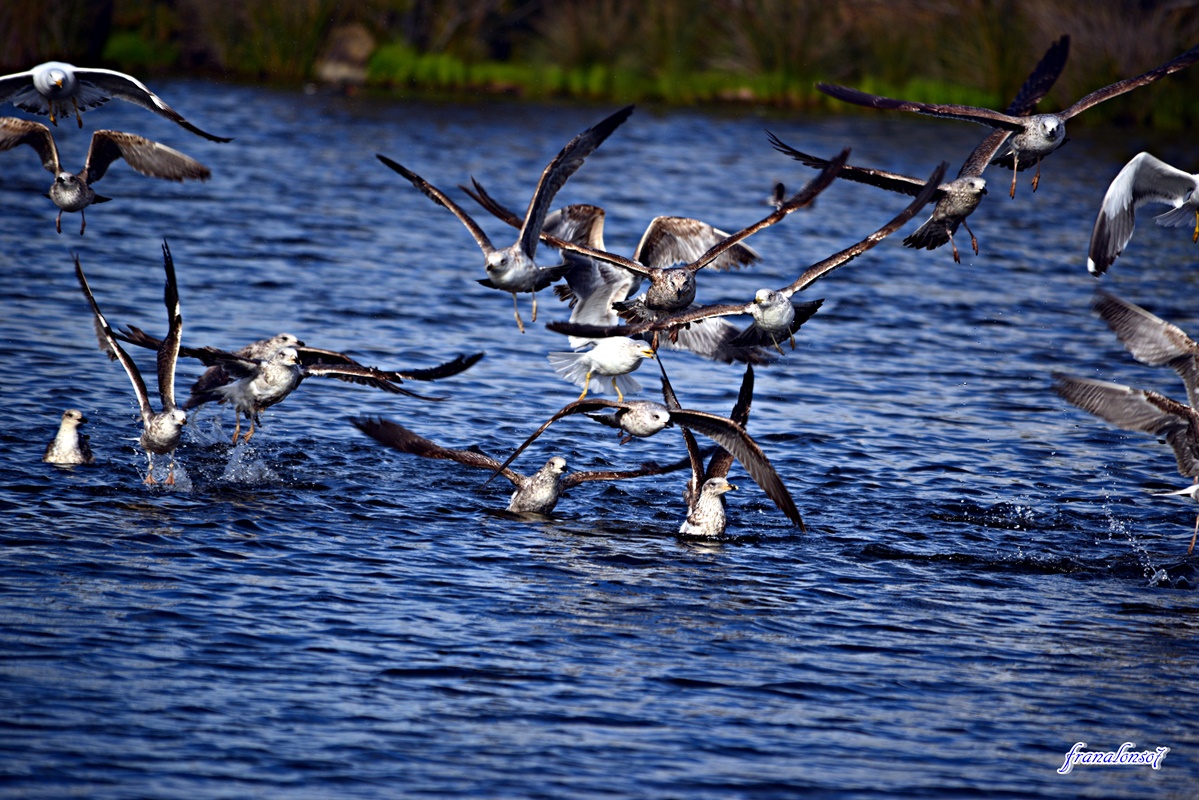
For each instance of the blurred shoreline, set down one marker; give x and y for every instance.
(761, 52)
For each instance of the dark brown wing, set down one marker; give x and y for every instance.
(397, 437)
(800, 199)
(646, 469)
(449, 368)
(891, 181)
(732, 437)
(577, 407)
(1128, 84)
(822, 268)
(983, 116)
(142, 155)
(361, 375)
(439, 197)
(15, 131)
(556, 173)
(718, 466)
(168, 351)
(112, 347)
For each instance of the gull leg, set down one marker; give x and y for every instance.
(249, 433)
(516, 311)
(149, 481)
(586, 385)
(534, 307)
(171, 471)
(1191, 549)
(615, 388)
(792, 338)
(78, 116)
(82, 222)
(1195, 238)
(1015, 169)
(1036, 178)
(957, 259)
(236, 428)
(973, 239)
(58, 221)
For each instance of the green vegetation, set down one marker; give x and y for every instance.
(674, 51)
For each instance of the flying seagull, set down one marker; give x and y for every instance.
(956, 199)
(70, 445)
(643, 418)
(512, 269)
(1141, 410)
(58, 89)
(1151, 340)
(598, 290)
(265, 372)
(1144, 179)
(776, 317)
(72, 191)
(1034, 136)
(535, 494)
(161, 431)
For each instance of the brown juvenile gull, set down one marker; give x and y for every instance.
(642, 418)
(956, 199)
(265, 372)
(775, 317)
(161, 431)
(535, 494)
(1144, 179)
(58, 89)
(72, 191)
(1033, 137)
(599, 291)
(512, 269)
(1151, 340)
(1141, 410)
(70, 445)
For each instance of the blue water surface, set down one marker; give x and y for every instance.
(986, 578)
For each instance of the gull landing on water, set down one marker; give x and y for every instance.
(73, 191)
(58, 89)
(511, 268)
(161, 431)
(535, 494)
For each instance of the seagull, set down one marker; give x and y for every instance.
(55, 89)
(775, 317)
(596, 289)
(1144, 179)
(512, 269)
(73, 191)
(535, 494)
(706, 517)
(70, 445)
(265, 372)
(958, 198)
(1034, 136)
(1145, 411)
(614, 357)
(161, 431)
(643, 418)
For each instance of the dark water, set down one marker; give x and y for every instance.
(986, 579)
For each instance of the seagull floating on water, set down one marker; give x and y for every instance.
(72, 191)
(57, 89)
(70, 445)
